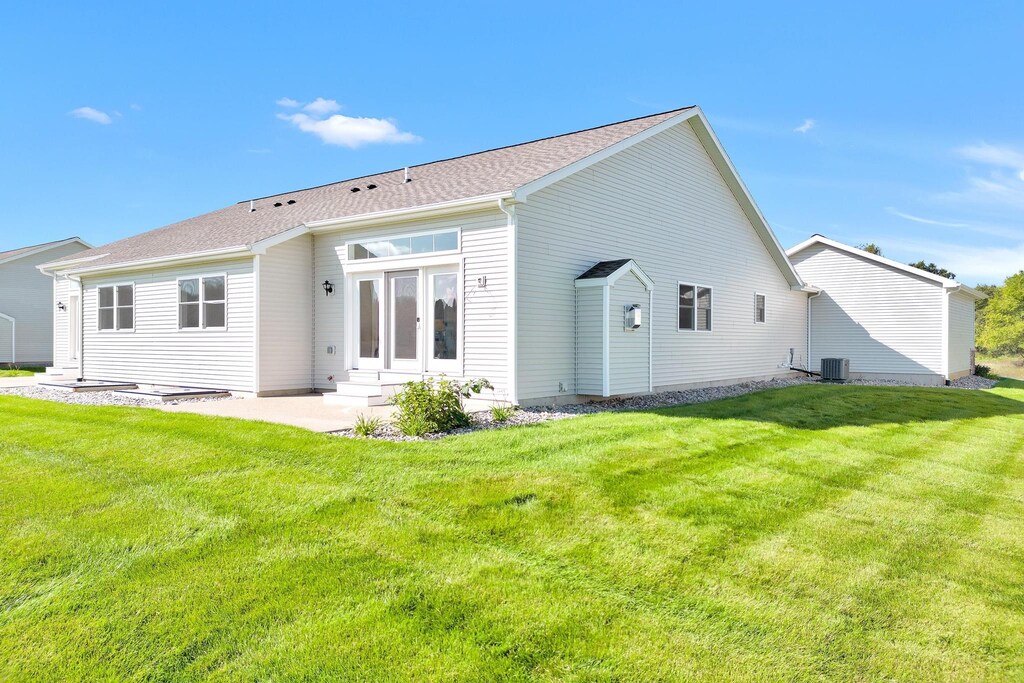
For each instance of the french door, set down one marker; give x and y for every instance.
(408, 320)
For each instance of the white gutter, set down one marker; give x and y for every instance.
(14, 337)
(512, 287)
(428, 211)
(815, 295)
(195, 257)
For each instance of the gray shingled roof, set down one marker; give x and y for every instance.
(484, 173)
(4, 255)
(603, 269)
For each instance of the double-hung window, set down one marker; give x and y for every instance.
(694, 308)
(116, 307)
(202, 302)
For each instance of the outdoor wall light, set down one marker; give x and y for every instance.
(328, 287)
(61, 306)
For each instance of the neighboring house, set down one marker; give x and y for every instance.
(477, 266)
(890, 319)
(26, 304)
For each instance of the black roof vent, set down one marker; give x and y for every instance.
(291, 201)
(354, 189)
(277, 203)
(371, 186)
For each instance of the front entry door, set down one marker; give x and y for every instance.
(404, 324)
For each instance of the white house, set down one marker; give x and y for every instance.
(890, 319)
(475, 266)
(26, 305)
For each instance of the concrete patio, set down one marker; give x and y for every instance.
(307, 411)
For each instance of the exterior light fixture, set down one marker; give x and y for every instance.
(61, 306)
(328, 287)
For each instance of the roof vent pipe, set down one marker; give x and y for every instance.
(407, 178)
(252, 206)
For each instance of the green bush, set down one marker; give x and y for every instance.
(502, 413)
(983, 371)
(367, 426)
(427, 407)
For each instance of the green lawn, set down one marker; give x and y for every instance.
(1004, 366)
(810, 533)
(20, 372)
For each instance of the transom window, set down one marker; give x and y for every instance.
(694, 308)
(759, 308)
(423, 243)
(202, 302)
(116, 307)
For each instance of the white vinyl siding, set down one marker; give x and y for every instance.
(590, 341)
(884, 320)
(157, 351)
(27, 296)
(961, 331)
(664, 204)
(629, 350)
(484, 252)
(61, 321)
(286, 297)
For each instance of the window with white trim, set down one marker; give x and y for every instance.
(694, 308)
(202, 302)
(759, 308)
(115, 307)
(405, 245)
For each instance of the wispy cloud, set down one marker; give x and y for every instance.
(90, 114)
(993, 155)
(925, 221)
(322, 107)
(345, 131)
(258, 150)
(287, 102)
(970, 263)
(804, 127)
(135, 107)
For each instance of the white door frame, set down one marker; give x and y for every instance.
(393, 362)
(425, 270)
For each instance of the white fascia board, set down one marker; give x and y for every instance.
(161, 261)
(44, 248)
(262, 245)
(969, 291)
(911, 270)
(412, 213)
(52, 267)
(524, 191)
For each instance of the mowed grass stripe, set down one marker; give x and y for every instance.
(741, 539)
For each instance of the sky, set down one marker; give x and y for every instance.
(893, 123)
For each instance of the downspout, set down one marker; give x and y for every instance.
(511, 289)
(807, 360)
(947, 293)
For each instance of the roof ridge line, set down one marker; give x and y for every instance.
(470, 154)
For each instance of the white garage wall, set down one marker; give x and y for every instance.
(886, 321)
(961, 332)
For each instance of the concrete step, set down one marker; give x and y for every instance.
(335, 399)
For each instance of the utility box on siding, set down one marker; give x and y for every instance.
(613, 329)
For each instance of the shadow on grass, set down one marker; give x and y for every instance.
(822, 406)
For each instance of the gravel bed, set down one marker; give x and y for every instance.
(533, 415)
(98, 398)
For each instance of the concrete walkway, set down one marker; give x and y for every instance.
(307, 411)
(15, 382)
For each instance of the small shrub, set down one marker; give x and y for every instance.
(983, 371)
(426, 407)
(502, 413)
(367, 426)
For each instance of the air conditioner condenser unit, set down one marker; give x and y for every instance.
(835, 369)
